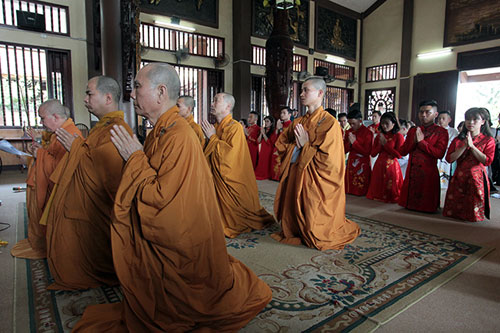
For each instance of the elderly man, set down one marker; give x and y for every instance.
(39, 187)
(78, 214)
(168, 246)
(186, 106)
(310, 200)
(228, 156)
(426, 144)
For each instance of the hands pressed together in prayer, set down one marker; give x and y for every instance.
(124, 143)
(301, 136)
(34, 148)
(382, 139)
(65, 138)
(279, 125)
(352, 138)
(419, 134)
(373, 129)
(469, 142)
(209, 129)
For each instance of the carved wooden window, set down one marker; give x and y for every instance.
(382, 100)
(299, 63)
(382, 73)
(161, 38)
(30, 76)
(338, 98)
(56, 16)
(337, 71)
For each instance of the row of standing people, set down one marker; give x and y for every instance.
(467, 196)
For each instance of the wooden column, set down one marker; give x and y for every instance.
(405, 63)
(242, 55)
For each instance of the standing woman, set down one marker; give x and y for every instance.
(267, 138)
(469, 191)
(387, 179)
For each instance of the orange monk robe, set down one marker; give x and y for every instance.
(228, 156)
(78, 214)
(197, 129)
(310, 200)
(38, 192)
(168, 246)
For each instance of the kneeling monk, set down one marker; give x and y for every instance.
(78, 214)
(168, 246)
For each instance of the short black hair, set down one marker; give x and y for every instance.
(377, 112)
(341, 114)
(445, 112)
(332, 112)
(428, 102)
(354, 114)
(287, 108)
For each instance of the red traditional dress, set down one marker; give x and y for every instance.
(421, 190)
(263, 170)
(387, 179)
(275, 159)
(253, 145)
(469, 189)
(374, 127)
(357, 175)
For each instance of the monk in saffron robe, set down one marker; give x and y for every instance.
(78, 214)
(281, 124)
(235, 185)
(426, 144)
(358, 143)
(252, 133)
(186, 104)
(53, 116)
(310, 200)
(168, 246)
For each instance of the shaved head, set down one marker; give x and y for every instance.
(160, 73)
(54, 106)
(108, 85)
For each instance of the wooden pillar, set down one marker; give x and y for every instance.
(405, 69)
(242, 55)
(111, 45)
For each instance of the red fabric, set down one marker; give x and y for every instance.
(253, 145)
(374, 127)
(469, 190)
(421, 189)
(263, 170)
(357, 175)
(275, 159)
(387, 179)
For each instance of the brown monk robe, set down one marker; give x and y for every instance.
(53, 116)
(168, 247)
(310, 200)
(228, 156)
(185, 104)
(78, 214)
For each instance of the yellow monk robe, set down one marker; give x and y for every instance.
(197, 129)
(78, 214)
(38, 192)
(310, 200)
(168, 246)
(229, 158)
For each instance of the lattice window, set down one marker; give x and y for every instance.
(382, 100)
(299, 62)
(382, 73)
(56, 16)
(161, 38)
(338, 98)
(339, 72)
(29, 77)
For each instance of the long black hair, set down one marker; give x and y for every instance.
(392, 118)
(271, 129)
(475, 113)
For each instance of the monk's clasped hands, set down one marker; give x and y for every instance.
(65, 138)
(124, 143)
(208, 129)
(301, 135)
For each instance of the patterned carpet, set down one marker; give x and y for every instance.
(386, 270)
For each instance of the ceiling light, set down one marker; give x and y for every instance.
(284, 4)
(337, 60)
(174, 26)
(434, 54)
